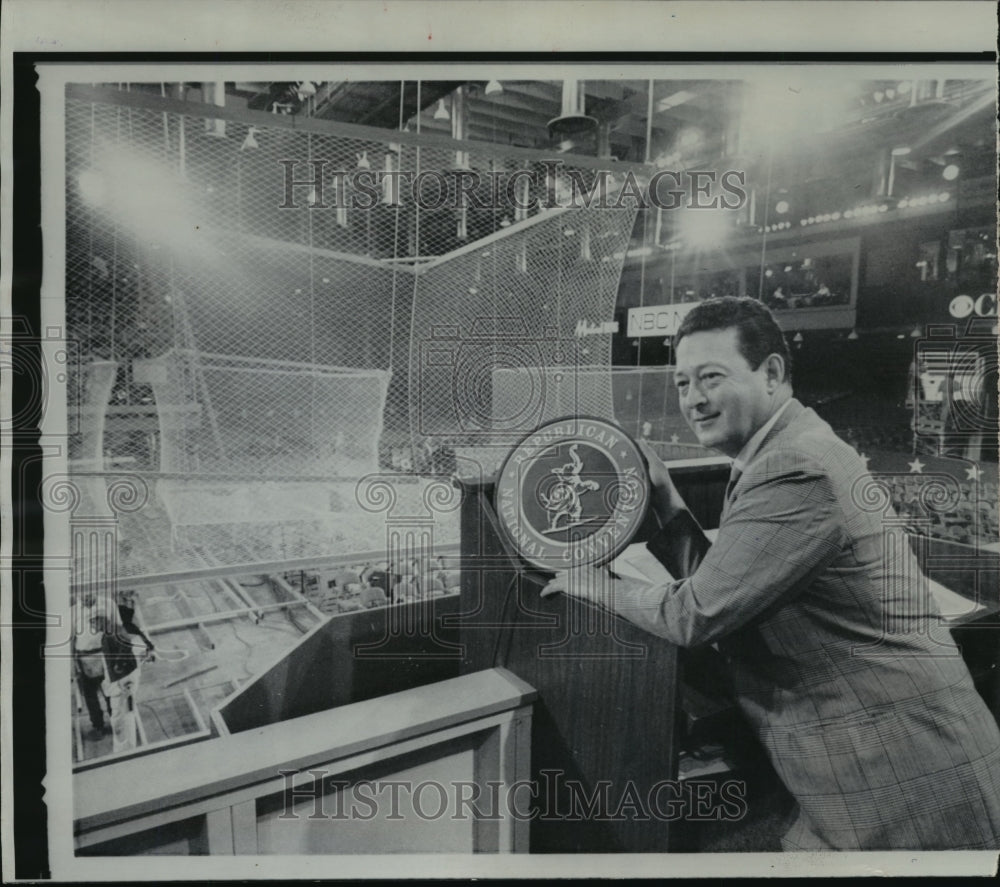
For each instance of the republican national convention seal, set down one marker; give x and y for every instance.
(572, 493)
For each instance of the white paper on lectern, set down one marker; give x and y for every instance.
(636, 562)
(952, 604)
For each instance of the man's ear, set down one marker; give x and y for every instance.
(774, 367)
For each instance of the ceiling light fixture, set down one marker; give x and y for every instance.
(494, 87)
(572, 119)
(442, 112)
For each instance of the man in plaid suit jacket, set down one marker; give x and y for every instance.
(837, 655)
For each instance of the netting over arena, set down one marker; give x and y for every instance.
(96, 388)
(222, 414)
(274, 330)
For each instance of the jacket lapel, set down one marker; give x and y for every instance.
(791, 413)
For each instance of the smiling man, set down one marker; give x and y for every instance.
(836, 652)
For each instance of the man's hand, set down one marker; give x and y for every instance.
(667, 502)
(587, 583)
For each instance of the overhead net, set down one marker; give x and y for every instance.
(273, 344)
(225, 415)
(496, 344)
(97, 381)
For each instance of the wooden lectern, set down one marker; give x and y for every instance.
(604, 730)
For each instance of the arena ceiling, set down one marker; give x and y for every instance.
(809, 137)
(699, 119)
(824, 138)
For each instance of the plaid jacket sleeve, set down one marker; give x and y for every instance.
(782, 526)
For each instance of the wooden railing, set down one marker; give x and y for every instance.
(258, 792)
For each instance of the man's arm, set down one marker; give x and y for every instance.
(784, 526)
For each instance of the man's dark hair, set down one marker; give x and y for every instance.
(757, 331)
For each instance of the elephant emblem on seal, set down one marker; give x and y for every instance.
(563, 501)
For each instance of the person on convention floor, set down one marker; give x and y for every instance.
(126, 614)
(836, 654)
(88, 661)
(122, 666)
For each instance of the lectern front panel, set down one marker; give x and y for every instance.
(603, 733)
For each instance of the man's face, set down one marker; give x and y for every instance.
(722, 398)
